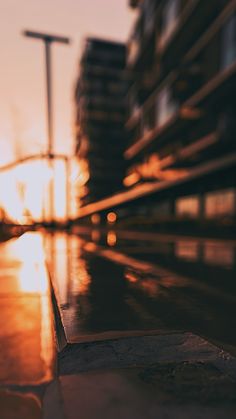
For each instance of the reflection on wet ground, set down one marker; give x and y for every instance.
(116, 283)
(26, 333)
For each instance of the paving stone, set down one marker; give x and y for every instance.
(15, 405)
(163, 392)
(143, 350)
(52, 402)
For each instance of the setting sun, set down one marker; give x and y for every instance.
(26, 189)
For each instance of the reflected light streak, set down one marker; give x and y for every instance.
(151, 287)
(96, 235)
(187, 250)
(47, 352)
(111, 238)
(33, 277)
(60, 252)
(28, 312)
(71, 276)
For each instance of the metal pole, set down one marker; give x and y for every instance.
(49, 96)
(48, 39)
(68, 197)
(50, 126)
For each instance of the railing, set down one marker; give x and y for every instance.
(43, 156)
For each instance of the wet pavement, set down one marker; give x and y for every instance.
(108, 285)
(126, 309)
(26, 316)
(27, 361)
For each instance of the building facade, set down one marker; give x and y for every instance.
(182, 107)
(100, 118)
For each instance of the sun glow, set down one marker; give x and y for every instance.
(25, 191)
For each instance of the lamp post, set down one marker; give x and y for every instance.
(48, 40)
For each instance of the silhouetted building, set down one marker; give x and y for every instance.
(100, 102)
(182, 107)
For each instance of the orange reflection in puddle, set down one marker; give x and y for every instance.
(188, 250)
(111, 238)
(67, 266)
(26, 335)
(32, 275)
(131, 277)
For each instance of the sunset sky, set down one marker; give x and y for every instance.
(22, 81)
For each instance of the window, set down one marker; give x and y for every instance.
(166, 106)
(133, 50)
(149, 15)
(162, 209)
(134, 43)
(149, 119)
(188, 250)
(221, 203)
(134, 106)
(229, 42)
(170, 18)
(188, 206)
(219, 254)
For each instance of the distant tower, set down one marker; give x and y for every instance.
(100, 103)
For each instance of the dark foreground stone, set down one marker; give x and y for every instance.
(167, 376)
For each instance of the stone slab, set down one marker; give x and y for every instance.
(168, 376)
(163, 392)
(143, 350)
(15, 405)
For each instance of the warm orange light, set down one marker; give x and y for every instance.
(25, 190)
(32, 275)
(190, 113)
(111, 238)
(111, 217)
(96, 219)
(80, 174)
(63, 254)
(131, 179)
(95, 235)
(31, 317)
(131, 277)
(60, 204)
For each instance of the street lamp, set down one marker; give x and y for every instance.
(48, 40)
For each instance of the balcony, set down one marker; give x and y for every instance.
(173, 118)
(149, 10)
(186, 26)
(134, 44)
(156, 113)
(170, 20)
(142, 40)
(106, 117)
(200, 86)
(219, 25)
(146, 189)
